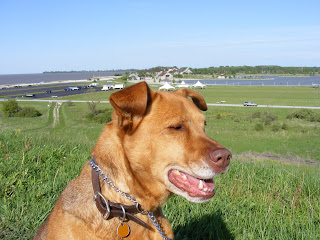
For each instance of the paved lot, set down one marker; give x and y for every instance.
(41, 91)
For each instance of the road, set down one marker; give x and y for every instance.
(209, 104)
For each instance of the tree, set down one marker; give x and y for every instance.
(10, 107)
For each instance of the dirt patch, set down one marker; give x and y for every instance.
(56, 114)
(277, 157)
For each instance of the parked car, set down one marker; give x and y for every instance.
(54, 96)
(74, 88)
(48, 91)
(248, 104)
(118, 86)
(30, 95)
(107, 88)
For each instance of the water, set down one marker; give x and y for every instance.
(264, 81)
(13, 79)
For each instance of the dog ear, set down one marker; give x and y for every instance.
(130, 102)
(195, 96)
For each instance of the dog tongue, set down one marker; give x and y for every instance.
(193, 186)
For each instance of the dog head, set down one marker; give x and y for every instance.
(165, 144)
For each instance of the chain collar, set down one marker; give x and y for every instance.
(127, 196)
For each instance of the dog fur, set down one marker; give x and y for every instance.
(152, 138)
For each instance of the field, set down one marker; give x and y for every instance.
(272, 190)
(263, 95)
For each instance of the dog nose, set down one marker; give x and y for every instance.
(221, 157)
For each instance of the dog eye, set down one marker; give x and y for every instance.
(177, 127)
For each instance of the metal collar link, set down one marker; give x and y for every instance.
(105, 206)
(127, 196)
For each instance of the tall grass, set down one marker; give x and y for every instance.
(255, 200)
(34, 170)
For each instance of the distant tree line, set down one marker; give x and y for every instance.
(89, 71)
(226, 70)
(263, 70)
(162, 68)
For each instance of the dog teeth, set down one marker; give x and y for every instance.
(200, 186)
(181, 175)
(205, 189)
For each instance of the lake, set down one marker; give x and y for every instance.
(50, 77)
(263, 81)
(13, 79)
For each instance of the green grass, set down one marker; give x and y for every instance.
(262, 95)
(254, 200)
(235, 129)
(257, 199)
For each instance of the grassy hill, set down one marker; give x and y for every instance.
(272, 190)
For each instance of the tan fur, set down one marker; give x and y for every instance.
(135, 151)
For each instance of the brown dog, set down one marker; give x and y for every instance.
(154, 147)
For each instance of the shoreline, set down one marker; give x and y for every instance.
(57, 82)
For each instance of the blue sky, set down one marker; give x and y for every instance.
(39, 36)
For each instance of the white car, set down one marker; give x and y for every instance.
(118, 86)
(247, 104)
(107, 88)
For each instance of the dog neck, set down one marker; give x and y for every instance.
(109, 209)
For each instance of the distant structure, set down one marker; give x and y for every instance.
(158, 75)
(222, 76)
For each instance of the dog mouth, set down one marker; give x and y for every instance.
(195, 187)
